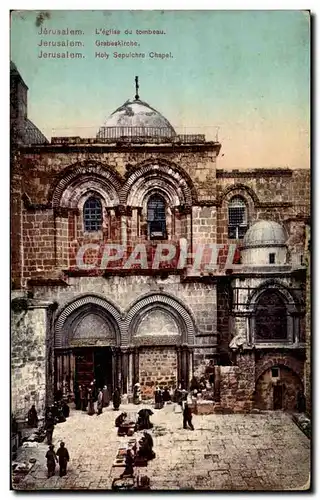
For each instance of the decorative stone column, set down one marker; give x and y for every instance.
(124, 369)
(130, 369)
(135, 366)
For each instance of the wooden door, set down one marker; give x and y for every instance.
(84, 366)
(278, 397)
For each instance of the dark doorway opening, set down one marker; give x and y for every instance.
(278, 397)
(94, 363)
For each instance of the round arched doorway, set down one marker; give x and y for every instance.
(278, 388)
(86, 340)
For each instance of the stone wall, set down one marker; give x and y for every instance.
(237, 385)
(28, 359)
(157, 367)
(288, 381)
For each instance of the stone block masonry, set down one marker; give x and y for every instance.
(28, 360)
(157, 367)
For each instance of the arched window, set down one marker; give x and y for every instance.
(156, 217)
(271, 318)
(92, 214)
(237, 218)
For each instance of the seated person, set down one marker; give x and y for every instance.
(120, 419)
(144, 483)
(143, 421)
(145, 447)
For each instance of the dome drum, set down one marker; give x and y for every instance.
(264, 244)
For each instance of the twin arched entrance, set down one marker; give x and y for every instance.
(151, 344)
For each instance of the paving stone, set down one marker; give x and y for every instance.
(229, 452)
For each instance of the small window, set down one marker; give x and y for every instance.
(275, 372)
(156, 217)
(272, 258)
(237, 218)
(92, 214)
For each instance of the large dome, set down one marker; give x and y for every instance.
(137, 118)
(264, 233)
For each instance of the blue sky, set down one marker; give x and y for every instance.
(246, 72)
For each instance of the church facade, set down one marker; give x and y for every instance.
(113, 275)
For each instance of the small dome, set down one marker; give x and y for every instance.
(264, 233)
(140, 119)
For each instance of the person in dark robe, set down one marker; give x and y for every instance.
(106, 396)
(301, 402)
(128, 471)
(49, 427)
(194, 384)
(166, 395)
(77, 397)
(209, 372)
(65, 409)
(51, 460)
(99, 402)
(120, 419)
(145, 447)
(93, 388)
(158, 399)
(143, 421)
(90, 403)
(60, 413)
(58, 395)
(143, 483)
(83, 397)
(116, 399)
(187, 417)
(202, 384)
(33, 417)
(14, 425)
(64, 458)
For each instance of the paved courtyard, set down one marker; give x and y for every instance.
(225, 452)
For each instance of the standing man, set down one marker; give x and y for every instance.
(51, 460)
(100, 402)
(187, 417)
(116, 399)
(63, 455)
(49, 426)
(106, 397)
(33, 417)
(90, 402)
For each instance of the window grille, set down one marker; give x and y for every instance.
(156, 218)
(271, 318)
(237, 211)
(92, 214)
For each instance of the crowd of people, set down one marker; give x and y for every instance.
(85, 398)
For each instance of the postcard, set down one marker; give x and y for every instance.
(160, 250)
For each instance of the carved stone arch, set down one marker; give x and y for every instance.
(86, 172)
(167, 170)
(279, 287)
(145, 187)
(238, 190)
(167, 303)
(277, 360)
(70, 313)
(158, 191)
